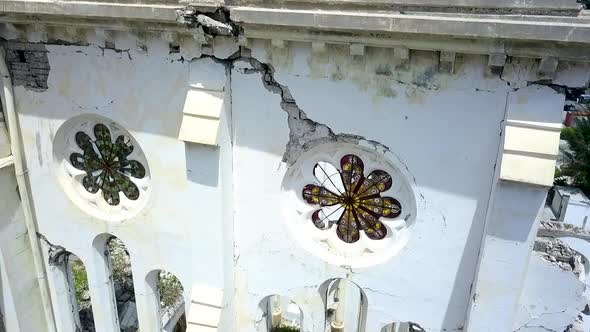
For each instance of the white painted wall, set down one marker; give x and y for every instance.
(20, 298)
(183, 228)
(576, 213)
(214, 215)
(445, 128)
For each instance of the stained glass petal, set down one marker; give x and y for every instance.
(369, 222)
(377, 182)
(85, 143)
(352, 172)
(110, 190)
(382, 206)
(103, 140)
(391, 207)
(134, 169)
(329, 177)
(325, 217)
(90, 183)
(125, 185)
(78, 161)
(313, 194)
(347, 229)
(125, 146)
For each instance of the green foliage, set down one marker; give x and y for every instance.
(285, 328)
(558, 178)
(586, 3)
(80, 279)
(576, 162)
(170, 289)
(120, 262)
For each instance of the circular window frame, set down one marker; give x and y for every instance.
(324, 243)
(70, 178)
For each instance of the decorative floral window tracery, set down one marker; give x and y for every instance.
(107, 164)
(351, 200)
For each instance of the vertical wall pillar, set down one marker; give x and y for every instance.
(20, 297)
(147, 299)
(100, 284)
(527, 163)
(205, 129)
(61, 297)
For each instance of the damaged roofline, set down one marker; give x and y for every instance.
(523, 27)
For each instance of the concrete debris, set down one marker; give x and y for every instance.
(576, 326)
(217, 23)
(557, 252)
(560, 229)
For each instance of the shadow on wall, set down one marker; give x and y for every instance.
(202, 164)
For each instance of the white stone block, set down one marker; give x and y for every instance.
(532, 140)
(203, 315)
(201, 113)
(527, 169)
(204, 103)
(206, 294)
(199, 130)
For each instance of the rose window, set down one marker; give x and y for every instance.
(107, 165)
(349, 204)
(353, 202)
(101, 167)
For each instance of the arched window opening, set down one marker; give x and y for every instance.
(282, 314)
(170, 301)
(346, 307)
(122, 276)
(78, 281)
(402, 327)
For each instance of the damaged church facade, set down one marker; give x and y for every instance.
(320, 166)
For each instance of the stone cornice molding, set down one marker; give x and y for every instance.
(535, 36)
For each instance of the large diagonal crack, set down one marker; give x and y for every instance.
(304, 133)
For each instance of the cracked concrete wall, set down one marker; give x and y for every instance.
(445, 128)
(182, 228)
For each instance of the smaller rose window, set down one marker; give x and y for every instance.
(351, 200)
(107, 165)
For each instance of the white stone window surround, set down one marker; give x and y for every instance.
(71, 178)
(324, 243)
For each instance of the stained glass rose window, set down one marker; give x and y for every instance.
(351, 200)
(107, 164)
